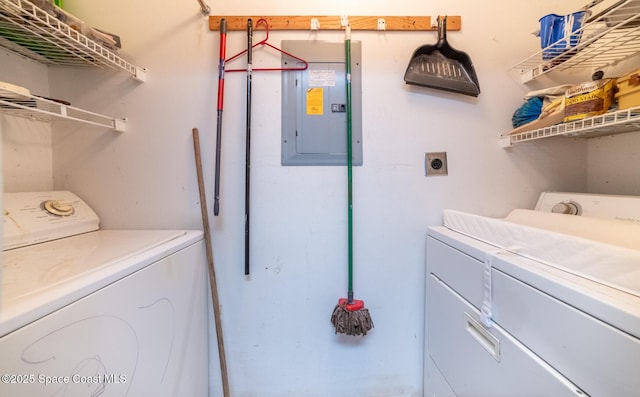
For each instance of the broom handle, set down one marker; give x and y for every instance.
(347, 45)
(213, 285)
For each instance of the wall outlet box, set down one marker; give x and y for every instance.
(435, 163)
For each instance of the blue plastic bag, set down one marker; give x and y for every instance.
(528, 112)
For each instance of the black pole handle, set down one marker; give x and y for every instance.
(247, 184)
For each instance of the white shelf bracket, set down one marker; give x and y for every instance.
(505, 141)
(140, 75)
(120, 125)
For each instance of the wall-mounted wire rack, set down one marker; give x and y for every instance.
(615, 122)
(609, 34)
(17, 101)
(37, 34)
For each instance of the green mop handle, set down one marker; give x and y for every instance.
(347, 44)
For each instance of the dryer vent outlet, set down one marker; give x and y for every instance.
(435, 163)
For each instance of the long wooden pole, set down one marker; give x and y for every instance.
(212, 274)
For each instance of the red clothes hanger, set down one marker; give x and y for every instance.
(264, 42)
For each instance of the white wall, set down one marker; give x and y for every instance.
(614, 161)
(614, 164)
(27, 152)
(279, 341)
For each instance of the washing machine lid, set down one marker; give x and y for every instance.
(41, 278)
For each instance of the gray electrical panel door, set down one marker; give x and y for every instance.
(314, 108)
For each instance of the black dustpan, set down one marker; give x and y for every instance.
(442, 67)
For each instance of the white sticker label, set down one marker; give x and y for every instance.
(322, 78)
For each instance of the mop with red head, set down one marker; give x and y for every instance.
(350, 317)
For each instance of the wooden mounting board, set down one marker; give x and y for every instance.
(394, 23)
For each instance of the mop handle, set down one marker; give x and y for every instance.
(223, 50)
(347, 45)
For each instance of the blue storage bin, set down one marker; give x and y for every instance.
(558, 33)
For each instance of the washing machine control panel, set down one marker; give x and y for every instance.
(624, 208)
(36, 217)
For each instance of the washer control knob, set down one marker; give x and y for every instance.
(61, 208)
(567, 207)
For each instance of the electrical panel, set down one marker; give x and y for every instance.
(314, 104)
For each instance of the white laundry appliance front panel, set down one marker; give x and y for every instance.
(483, 362)
(142, 335)
(566, 320)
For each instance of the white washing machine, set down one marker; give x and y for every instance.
(88, 312)
(540, 303)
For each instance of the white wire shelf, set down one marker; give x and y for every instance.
(38, 35)
(611, 123)
(609, 36)
(22, 104)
